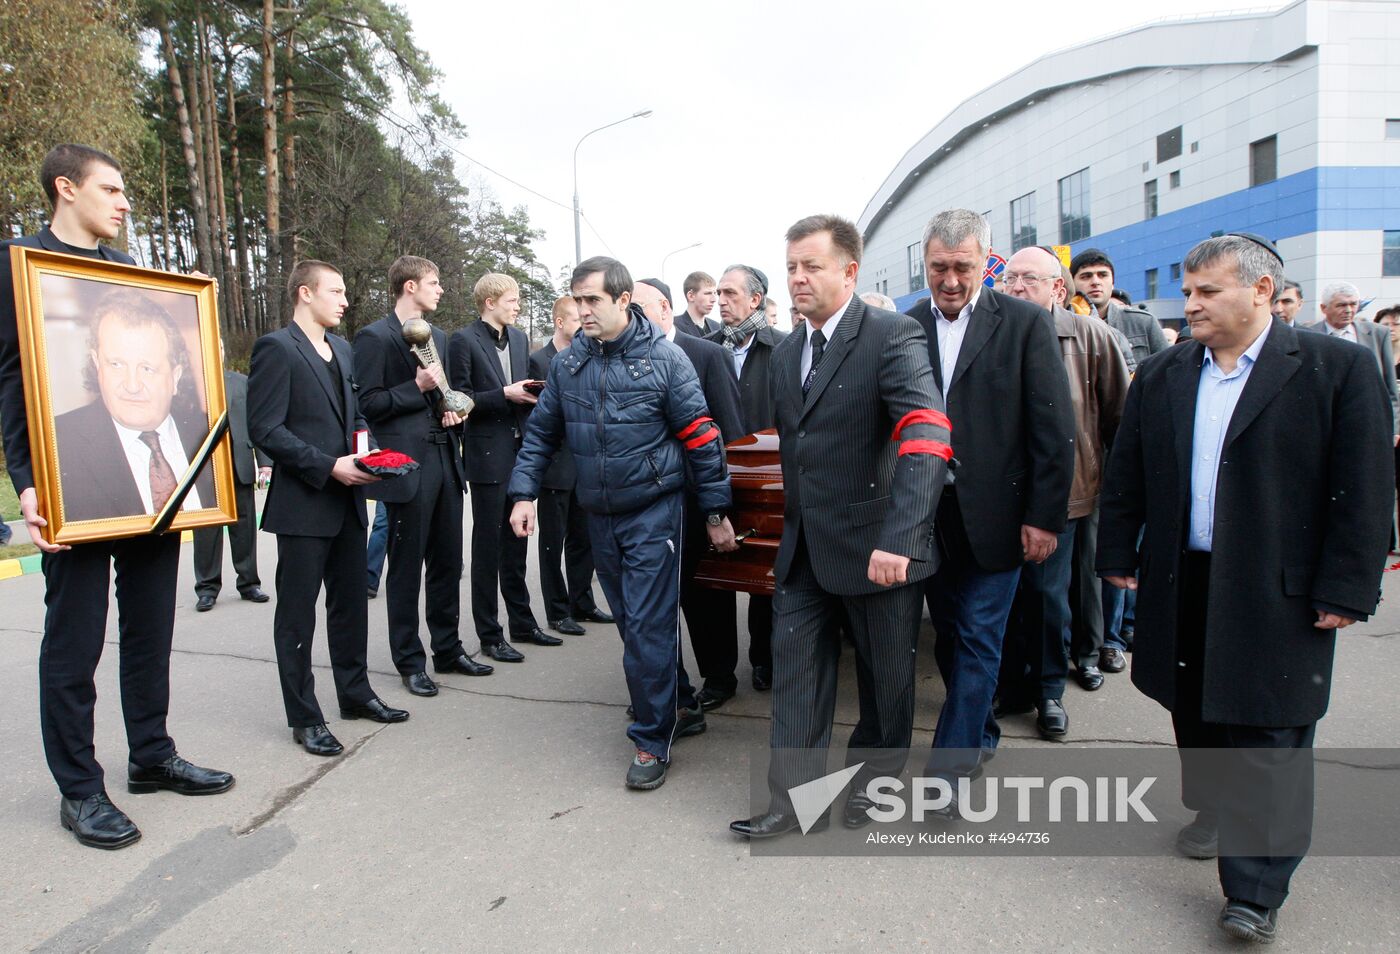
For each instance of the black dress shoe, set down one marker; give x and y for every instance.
(371, 593)
(317, 740)
(1249, 922)
(374, 709)
(204, 604)
(773, 824)
(97, 823)
(256, 595)
(595, 615)
(1200, 839)
(1112, 660)
(1053, 720)
(568, 626)
(712, 697)
(177, 775)
(502, 652)
(857, 811)
(1090, 678)
(537, 636)
(762, 678)
(464, 665)
(420, 684)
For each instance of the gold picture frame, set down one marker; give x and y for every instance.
(123, 391)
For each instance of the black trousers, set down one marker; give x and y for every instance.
(1086, 595)
(425, 556)
(498, 558)
(806, 655)
(242, 537)
(711, 616)
(1262, 791)
(564, 535)
(75, 623)
(303, 564)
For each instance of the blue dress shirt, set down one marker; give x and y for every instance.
(1216, 397)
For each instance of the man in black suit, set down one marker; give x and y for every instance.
(563, 523)
(709, 614)
(1258, 458)
(303, 413)
(748, 341)
(424, 508)
(997, 363)
(147, 415)
(864, 449)
(489, 363)
(248, 470)
(700, 295)
(86, 190)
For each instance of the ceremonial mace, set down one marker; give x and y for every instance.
(418, 335)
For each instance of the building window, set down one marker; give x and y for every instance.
(1176, 271)
(916, 267)
(1196, 146)
(1149, 199)
(1151, 283)
(1263, 161)
(1175, 179)
(1074, 207)
(1390, 257)
(1023, 222)
(1169, 145)
(988, 216)
(1392, 129)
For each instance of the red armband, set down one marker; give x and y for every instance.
(693, 426)
(703, 439)
(937, 448)
(922, 416)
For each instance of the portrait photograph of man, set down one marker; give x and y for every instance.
(129, 413)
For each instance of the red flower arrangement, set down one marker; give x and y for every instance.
(386, 463)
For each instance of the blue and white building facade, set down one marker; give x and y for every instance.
(1284, 122)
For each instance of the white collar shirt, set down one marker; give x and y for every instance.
(828, 330)
(951, 333)
(138, 458)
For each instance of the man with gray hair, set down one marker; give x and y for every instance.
(1281, 467)
(877, 300)
(749, 341)
(1340, 303)
(997, 365)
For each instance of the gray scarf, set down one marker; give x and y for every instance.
(735, 335)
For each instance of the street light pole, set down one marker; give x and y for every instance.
(578, 236)
(668, 255)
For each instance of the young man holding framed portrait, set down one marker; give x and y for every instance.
(89, 205)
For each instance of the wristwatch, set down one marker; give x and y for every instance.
(714, 519)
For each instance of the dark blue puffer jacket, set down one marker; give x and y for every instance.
(627, 409)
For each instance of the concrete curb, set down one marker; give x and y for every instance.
(10, 569)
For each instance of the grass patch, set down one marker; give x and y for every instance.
(15, 551)
(9, 500)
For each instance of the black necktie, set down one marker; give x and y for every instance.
(818, 345)
(161, 476)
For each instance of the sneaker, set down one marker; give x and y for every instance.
(646, 772)
(690, 721)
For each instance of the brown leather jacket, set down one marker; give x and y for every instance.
(1098, 385)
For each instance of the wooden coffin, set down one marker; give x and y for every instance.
(756, 478)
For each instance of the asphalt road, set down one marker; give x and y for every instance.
(496, 819)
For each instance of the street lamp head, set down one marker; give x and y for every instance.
(641, 114)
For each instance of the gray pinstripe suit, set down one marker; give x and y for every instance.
(849, 492)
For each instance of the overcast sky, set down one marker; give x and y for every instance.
(763, 112)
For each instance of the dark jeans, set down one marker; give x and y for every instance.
(1035, 658)
(378, 545)
(637, 556)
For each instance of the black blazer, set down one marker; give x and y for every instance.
(294, 416)
(12, 413)
(245, 464)
(1302, 521)
(846, 491)
(686, 325)
(563, 472)
(96, 482)
(714, 366)
(399, 414)
(495, 426)
(1013, 424)
(756, 397)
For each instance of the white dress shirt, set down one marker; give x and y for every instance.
(828, 330)
(138, 458)
(742, 352)
(951, 333)
(1347, 331)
